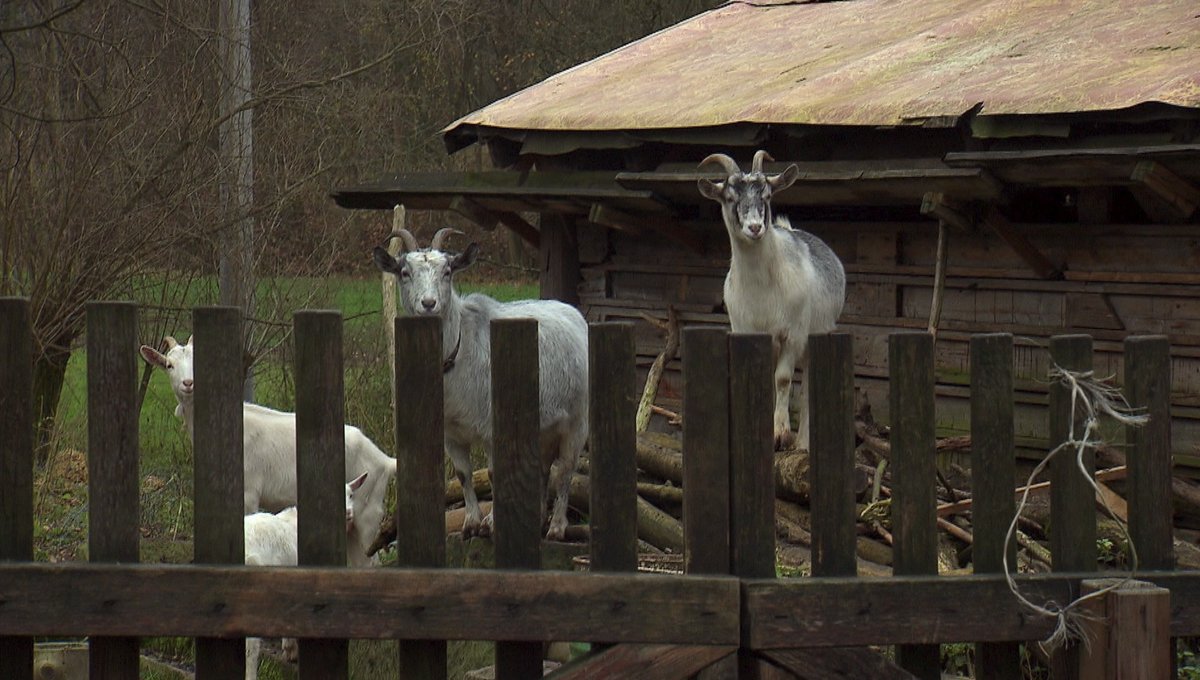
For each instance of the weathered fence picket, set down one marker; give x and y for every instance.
(16, 460)
(112, 462)
(993, 473)
(218, 503)
(320, 469)
(668, 626)
(420, 479)
(517, 483)
(914, 475)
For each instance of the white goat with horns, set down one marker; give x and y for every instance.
(781, 281)
(269, 453)
(426, 289)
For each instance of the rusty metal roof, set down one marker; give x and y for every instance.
(870, 62)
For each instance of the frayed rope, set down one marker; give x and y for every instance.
(1097, 399)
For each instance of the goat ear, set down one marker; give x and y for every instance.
(385, 261)
(785, 179)
(152, 357)
(466, 258)
(710, 189)
(358, 481)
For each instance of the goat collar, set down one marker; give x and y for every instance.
(448, 364)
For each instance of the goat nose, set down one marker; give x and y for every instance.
(187, 383)
(428, 303)
(755, 228)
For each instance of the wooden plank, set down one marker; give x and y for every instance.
(751, 455)
(639, 225)
(559, 259)
(1072, 506)
(993, 467)
(1148, 387)
(410, 603)
(521, 227)
(910, 357)
(751, 466)
(1073, 541)
(947, 509)
(1180, 194)
(518, 488)
(16, 460)
(934, 204)
(837, 663)
(320, 454)
(839, 612)
(420, 474)
(1038, 262)
(217, 466)
(831, 418)
(706, 502)
(112, 463)
(643, 661)
(613, 447)
(1129, 631)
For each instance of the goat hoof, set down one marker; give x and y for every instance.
(485, 529)
(784, 440)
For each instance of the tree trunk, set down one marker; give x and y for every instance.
(49, 372)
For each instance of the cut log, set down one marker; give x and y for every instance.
(650, 391)
(653, 525)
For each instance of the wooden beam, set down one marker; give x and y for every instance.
(936, 206)
(614, 218)
(404, 603)
(1182, 196)
(836, 664)
(1129, 632)
(842, 612)
(1040, 264)
(643, 661)
(487, 219)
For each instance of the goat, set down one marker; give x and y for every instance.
(269, 452)
(782, 281)
(426, 289)
(273, 540)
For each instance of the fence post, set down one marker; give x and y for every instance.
(217, 466)
(517, 487)
(16, 461)
(1148, 387)
(112, 463)
(1072, 501)
(993, 469)
(320, 468)
(1129, 632)
(914, 474)
(751, 466)
(706, 442)
(613, 447)
(831, 424)
(420, 472)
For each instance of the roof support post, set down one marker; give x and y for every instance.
(1033, 257)
(559, 258)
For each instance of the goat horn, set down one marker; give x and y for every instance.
(169, 343)
(406, 237)
(760, 156)
(441, 235)
(728, 164)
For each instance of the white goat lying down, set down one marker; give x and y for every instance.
(781, 281)
(269, 453)
(426, 289)
(273, 540)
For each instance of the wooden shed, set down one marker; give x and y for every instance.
(1055, 146)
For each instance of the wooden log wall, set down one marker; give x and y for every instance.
(1119, 280)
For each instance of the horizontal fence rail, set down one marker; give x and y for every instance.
(729, 601)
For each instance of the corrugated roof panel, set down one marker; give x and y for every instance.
(874, 62)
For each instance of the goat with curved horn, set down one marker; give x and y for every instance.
(727, 164)
(782, 281)
(760, 156)
(441, 235)
(406, 237)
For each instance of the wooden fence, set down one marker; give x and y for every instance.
(728, 605)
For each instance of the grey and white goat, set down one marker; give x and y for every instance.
(782, 281)
(269, 452)
(426, 289)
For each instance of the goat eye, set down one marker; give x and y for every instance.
(405, 274)
(446, 274)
